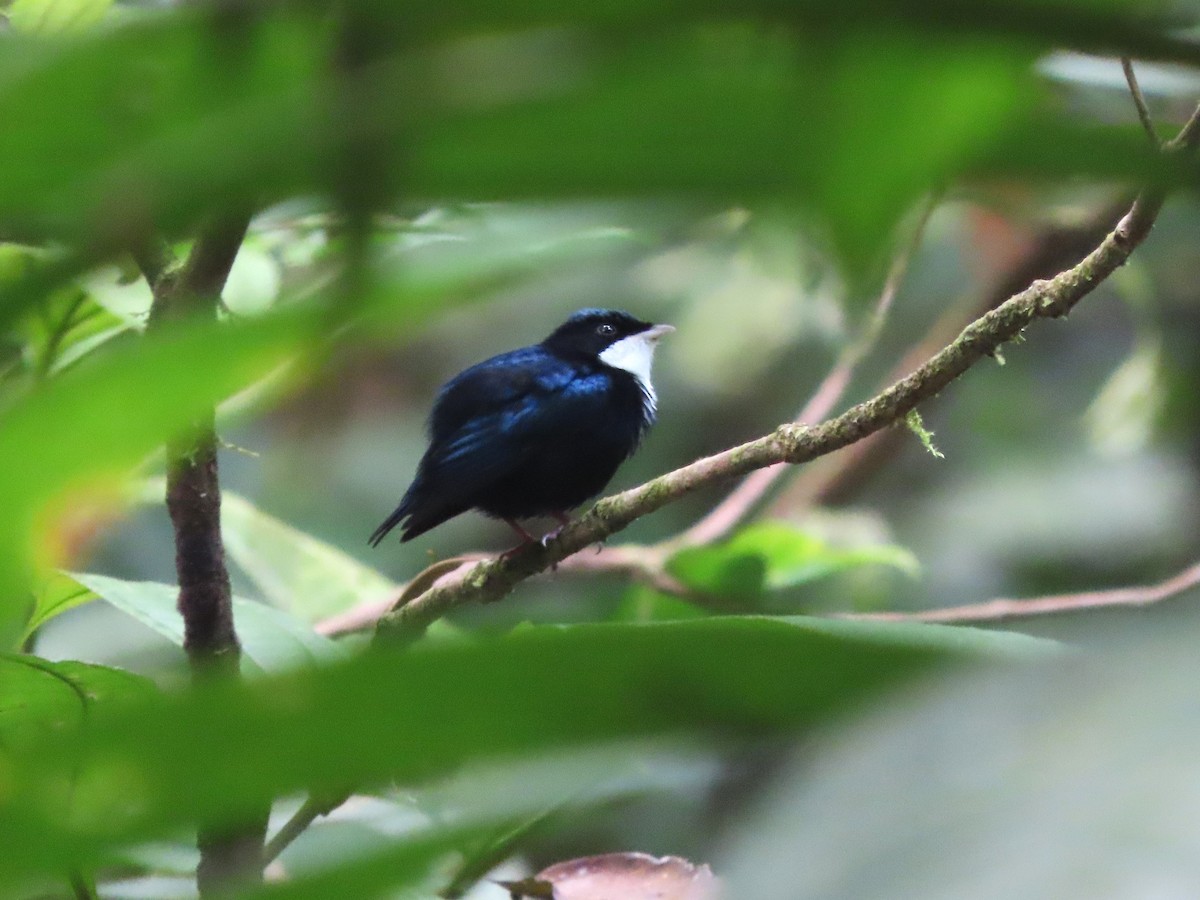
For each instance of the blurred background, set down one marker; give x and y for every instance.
(751, 182)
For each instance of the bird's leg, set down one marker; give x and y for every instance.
(525, 536)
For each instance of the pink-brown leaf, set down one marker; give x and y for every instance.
(622, 876)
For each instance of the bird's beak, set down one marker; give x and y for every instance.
(656, 332)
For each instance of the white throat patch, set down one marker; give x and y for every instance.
(634, 355)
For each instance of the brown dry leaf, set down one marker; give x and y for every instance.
(622, 876)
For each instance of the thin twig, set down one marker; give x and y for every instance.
(997, 610)
(1052, 249)
(1188, 137)
(738, 504)
(364, 615)
(312, 809)
(1139, 101)
(500, 848)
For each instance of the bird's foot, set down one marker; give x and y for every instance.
(527, 539)
(563, 521)
(545, 540)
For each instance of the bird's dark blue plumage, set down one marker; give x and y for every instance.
(535, 431)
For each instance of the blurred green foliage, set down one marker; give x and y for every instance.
(415, 715)
(451, 180)
(773, 556)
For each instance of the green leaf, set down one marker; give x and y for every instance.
(271, 639)
(739, 575)
(106, 415)
(55, 595)
(641, 603)
(33, 700)
(63, 321)
(441, 705)
(56, 16)
(80, 347)
(296, 572)
(129, 137)
(772, 556)
(40, 698)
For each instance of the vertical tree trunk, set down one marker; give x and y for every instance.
(205, 597)
(230, 858)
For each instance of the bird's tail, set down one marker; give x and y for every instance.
(416, 513)
(397, 516)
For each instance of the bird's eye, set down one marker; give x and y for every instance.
(606, 330)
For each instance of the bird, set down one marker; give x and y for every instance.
(535, 431)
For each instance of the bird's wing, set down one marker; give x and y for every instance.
(495, 387)
(486, 419)
(487, 416)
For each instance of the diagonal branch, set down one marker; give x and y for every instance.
(790, 443)
(638, 562)
(1051, 249)
(738, 504)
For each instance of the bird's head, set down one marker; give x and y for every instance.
(614, 337)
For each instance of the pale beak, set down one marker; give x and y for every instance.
(656, 332)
